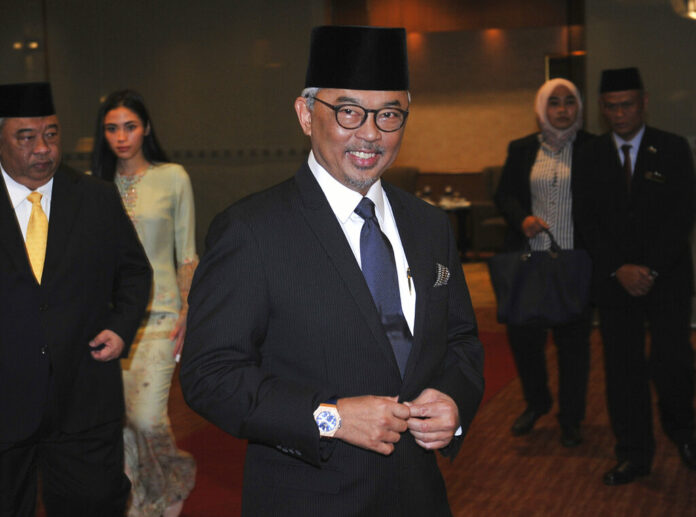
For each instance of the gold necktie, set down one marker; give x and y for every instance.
(37, 234)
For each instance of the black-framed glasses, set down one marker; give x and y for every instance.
(352, 116)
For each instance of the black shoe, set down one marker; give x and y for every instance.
(570, 436)
(525, 422)
(625, 472)
(687, 451)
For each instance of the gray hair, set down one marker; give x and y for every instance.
(309, 94)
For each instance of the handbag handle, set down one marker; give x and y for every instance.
(554, 248)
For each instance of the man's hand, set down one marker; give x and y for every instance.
(531, 225)
(371, 422)
(177, 335)
(113, 345)
(636, 280)
(434, 419)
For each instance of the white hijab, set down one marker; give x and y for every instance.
(556, 138)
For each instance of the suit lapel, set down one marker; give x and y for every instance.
(12, 241)
(65, 204)
(530, 156)
(645, 159)
(609, 155)
(321, 219)
(422, 271)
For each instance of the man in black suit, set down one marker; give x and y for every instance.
(342, 346)
(635, 208)
(74, 283)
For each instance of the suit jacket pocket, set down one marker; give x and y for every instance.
(300, 476)
(438, 293)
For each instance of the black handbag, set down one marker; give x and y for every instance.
(541, 288)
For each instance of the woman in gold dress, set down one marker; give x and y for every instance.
(159, 200)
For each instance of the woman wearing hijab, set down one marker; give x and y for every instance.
(534, 194)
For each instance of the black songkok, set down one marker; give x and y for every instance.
(358, 58)
(26, 100)
(620, 79)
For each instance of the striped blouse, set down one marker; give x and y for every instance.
(551, 195)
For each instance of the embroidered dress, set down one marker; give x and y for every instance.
(159, 201)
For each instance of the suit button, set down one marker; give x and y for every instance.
(43, 307)
(44, 350)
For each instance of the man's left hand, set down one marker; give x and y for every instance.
(177, 335)
(434, 419)
(113, 345)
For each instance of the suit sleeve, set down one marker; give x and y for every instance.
(591, 187)
(513, 181)
(222, 377)
(133, 277)
(461, 375)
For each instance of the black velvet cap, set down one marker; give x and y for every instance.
(620, 79)
(26, 100)
(358, 58)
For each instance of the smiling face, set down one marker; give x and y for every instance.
(355, 157)
(624, 111)
(125, 132)
(30, 149)
(561, 108)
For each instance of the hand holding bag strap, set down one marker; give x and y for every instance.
(553, 250)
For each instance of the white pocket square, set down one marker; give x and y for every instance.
(442, 275)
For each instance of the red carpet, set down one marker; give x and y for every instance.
(220, 457)
(499, 367)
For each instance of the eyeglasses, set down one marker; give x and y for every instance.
(352, 116)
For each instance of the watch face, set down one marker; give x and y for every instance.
(326, 421)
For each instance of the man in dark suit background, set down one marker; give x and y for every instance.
(345, 359)
(74, 283)
(635, 211)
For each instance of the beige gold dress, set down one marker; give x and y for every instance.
(160, 203)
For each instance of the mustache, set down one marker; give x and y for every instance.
(368, 147)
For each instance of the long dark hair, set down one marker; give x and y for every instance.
(103, 158)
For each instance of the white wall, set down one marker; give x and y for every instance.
(216, 75)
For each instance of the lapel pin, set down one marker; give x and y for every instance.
(652, 149)
(655, 176)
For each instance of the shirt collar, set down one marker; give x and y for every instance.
(19, 192)
(633, 142)
(342, 199)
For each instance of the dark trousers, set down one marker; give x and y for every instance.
(670, 364)
(572, 341)
(82, 474)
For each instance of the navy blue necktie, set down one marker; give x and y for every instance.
(379, 269)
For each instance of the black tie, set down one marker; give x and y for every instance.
(628, 169)
(379, 269)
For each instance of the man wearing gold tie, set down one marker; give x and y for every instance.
(74, 283)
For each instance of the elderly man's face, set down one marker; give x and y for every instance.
(30, 149)
(355, 157)
(624, 111)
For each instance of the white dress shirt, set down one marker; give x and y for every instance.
(633, 151)
(22, 206)
(343, 202)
